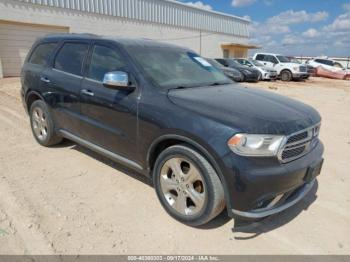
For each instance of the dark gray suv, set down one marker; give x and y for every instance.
(205, 142)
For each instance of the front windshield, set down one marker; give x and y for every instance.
(283, 59)
(232, 62)
(256, 63)
(172, 67)
(214, 63)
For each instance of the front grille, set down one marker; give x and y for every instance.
(297, 137)
(299, 144)
(293, 152)
(302, 68)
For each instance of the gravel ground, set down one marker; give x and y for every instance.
(69, 200)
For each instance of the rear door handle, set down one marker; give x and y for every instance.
(45, 79)
(87, 92)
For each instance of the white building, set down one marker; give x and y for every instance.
(209, 33)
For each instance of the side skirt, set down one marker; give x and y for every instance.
(102, 151)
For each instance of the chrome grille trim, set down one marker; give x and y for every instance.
(302, 68)
(308, 143)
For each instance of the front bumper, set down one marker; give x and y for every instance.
(300, 75)
(253, 183)
(269, 76)
(251, 78)
(277, 207)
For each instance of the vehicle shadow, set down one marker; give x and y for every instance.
(255, 228)
(130, 172)
(270, 223)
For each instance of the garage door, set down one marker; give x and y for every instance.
(16, 40)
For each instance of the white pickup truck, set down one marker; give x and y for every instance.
(286, 69)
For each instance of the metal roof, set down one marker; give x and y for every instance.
(166, 12)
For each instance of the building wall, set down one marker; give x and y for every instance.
(209, 44)
(16, 39)
(167, 12)
(236, 52)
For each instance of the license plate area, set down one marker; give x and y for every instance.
(313, 171)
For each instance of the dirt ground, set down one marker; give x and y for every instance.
(69, 200)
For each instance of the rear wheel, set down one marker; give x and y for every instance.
(188, 186)
(286, 76)
(42, 124)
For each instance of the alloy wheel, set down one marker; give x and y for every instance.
(39, 122)
(183, 186)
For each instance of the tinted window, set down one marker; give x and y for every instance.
(326, 62)
(104, 60)
(336, 64)
(41, 53)
(283, 59)
(271, 59)
(70, 58)
(260, 57)
(222, 61)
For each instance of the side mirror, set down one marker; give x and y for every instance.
(117, 80)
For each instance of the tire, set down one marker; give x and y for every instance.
(42, 124)
(286, 76)
(193, 194)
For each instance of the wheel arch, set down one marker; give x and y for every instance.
(32, 96)
(165, 141)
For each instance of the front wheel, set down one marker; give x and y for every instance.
(286, 76)
(187, 186)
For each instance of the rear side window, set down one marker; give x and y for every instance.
(71, 57)
(104, 60)
(42, 53)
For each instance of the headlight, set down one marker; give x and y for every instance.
(296, 68)
(256, 145)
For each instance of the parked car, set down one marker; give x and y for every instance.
(266, 73)
(286, 69)
(232, 73)
(326, 63)
(205, 142)
(250, 74)
(340, 74)
(309, 69)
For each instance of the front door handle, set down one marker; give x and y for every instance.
(87, 92)
(45, 79)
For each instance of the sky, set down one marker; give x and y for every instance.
(292, 27)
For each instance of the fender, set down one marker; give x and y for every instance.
(199, 148)
(32, 92)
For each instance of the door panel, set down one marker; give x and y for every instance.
(109, 118)
(63, 81)
(109, 115)
(64, 98)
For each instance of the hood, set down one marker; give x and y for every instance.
(230, 70)
(290, 64)
(247, 68)
(246, 109)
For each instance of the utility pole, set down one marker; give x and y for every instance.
(200, 42)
